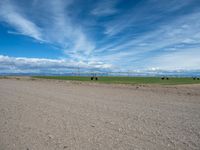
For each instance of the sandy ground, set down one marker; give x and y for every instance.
(54, 115)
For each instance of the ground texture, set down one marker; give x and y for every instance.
(39, 114)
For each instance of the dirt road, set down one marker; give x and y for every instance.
(55, 115)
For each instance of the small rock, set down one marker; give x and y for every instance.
(50, 136)
(65, 147)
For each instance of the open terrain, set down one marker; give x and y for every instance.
(42, 114)
(128, 80)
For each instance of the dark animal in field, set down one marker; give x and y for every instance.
(194, 78)
(92, 78)
(162, 78)
(96, 78)
(167, 78)
(197, 78)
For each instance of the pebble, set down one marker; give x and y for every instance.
(65, 147)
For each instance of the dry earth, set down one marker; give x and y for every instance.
(54, 115)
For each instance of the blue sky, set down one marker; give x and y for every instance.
(115, 35)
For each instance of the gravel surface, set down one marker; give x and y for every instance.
(54, 115)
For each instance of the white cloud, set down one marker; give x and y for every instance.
(105, 8)
(168, 39)
(52, 22)
(41, 65)
(21, 24)
(19, 65)
(69, 36)
(187, 59)
(52, 25)
(144, 13)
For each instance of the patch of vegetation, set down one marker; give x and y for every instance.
(3, 77)
(127, 80)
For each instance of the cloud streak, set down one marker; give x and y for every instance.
(22, 25)
(160, 42)
(105, 8)
(133, 36)
(55, 28)
(146, 13)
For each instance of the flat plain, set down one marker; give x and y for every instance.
(129, 80)
(42, 114)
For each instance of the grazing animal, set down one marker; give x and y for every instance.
(197, 78)
(96, 78)
(167, 78)
(92, 78)
(194, 78)
(163, 78)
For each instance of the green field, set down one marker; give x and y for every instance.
(127, 80)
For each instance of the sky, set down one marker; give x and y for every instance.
(59, 36)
